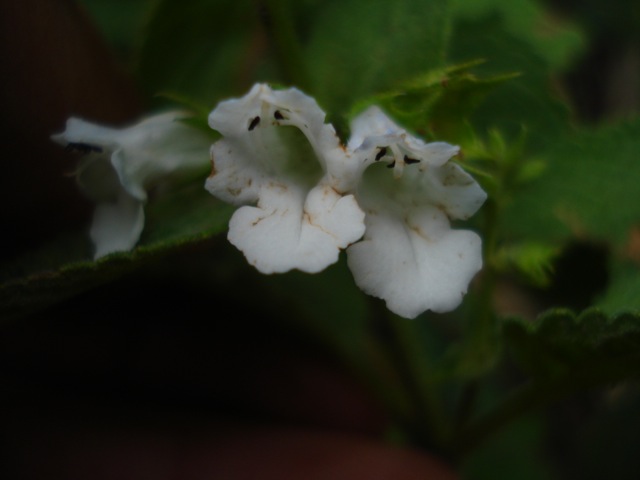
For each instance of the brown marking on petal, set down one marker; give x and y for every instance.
(418, 230)
(213, 167)
(452, 179)
(338, 192)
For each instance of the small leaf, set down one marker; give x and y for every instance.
(532, 260)
(438, 101)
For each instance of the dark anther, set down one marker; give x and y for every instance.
(392, 164)
(254, 123)
(381, 153)
(277, 115)
(409, 161)
(83, 148)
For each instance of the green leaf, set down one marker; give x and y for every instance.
(361, 47)
(623, 292)
(589, 189)
(518, 449)
(119, 22)
(563, 353)
(180, 219)
(577, 350)
(533, 261)
(556, 40)
(528, 100)
(345, 51)
(205, 50)
(23, 296)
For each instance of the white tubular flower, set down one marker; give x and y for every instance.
(120, 166)
(409, 256)
(282, 165)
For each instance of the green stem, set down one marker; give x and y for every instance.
(278, 22)
(428, 425)
(481, 343)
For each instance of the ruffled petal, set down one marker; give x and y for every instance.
(288, 231)
(416, 263)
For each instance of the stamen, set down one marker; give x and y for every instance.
(254, 123)
(277, 115)
(409, 161)
(392, 164)
(381, 153)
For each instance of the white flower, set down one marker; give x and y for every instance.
(120, 166)
(410, 256)
(302, 195)
(283, 166)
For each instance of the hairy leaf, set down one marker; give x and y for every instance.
(579, 350)
(180, 220)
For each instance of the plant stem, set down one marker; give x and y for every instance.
(398, 337)
(481, 347)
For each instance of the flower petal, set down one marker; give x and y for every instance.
(416, 264)
(287, 231)
(142, 153)
(454, 191)
(117, 226)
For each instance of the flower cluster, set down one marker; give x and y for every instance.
(386, 196)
